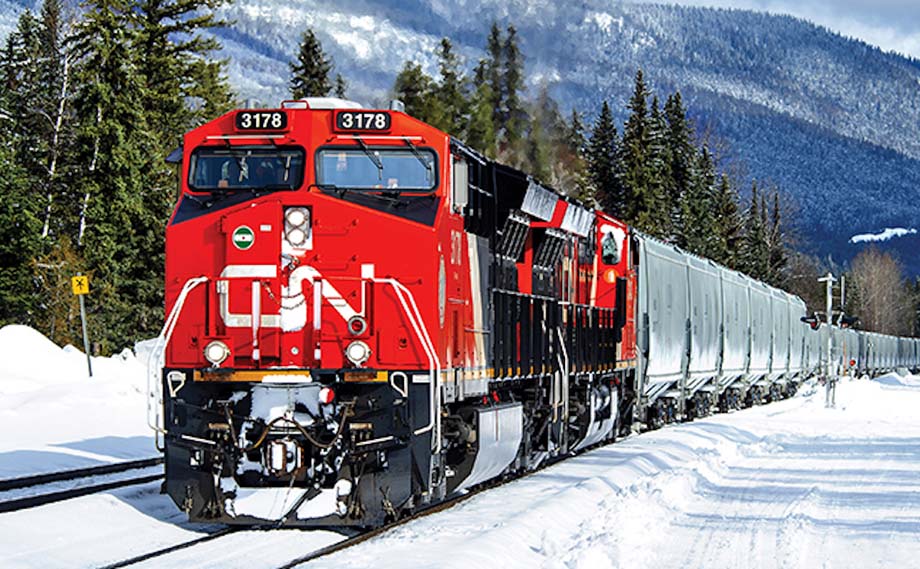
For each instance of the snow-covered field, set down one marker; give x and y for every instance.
(787, 485)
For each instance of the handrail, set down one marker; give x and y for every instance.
(421, 333)
(157, 357)
(565, 382)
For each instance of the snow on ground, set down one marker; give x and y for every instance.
(787, 485)
(54, 416)
(104, 528)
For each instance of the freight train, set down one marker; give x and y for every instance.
(365, 317)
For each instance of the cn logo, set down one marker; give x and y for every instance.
(306, 286)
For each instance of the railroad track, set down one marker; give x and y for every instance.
(323, 551)
(347, 541)
(31, 491)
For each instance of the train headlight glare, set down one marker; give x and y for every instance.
(357, 352)
(296, 216)
(216, 352)
(296, 237)
(297, 226)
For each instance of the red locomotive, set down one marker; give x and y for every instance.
(366, 316)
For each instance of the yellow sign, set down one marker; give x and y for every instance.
(80, 284)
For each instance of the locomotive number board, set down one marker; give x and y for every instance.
(261, 120)
(362, 121)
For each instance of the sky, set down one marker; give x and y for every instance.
(893, 25)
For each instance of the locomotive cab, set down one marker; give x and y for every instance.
(299, 358)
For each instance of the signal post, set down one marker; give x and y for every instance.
(80, 286)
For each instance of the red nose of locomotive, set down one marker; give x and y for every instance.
(270, 302)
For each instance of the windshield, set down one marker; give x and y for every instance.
(365, 168)
(214, 168)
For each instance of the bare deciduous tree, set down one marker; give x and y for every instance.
(879, 294)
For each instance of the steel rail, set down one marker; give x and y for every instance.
(177, 547)
(7, 484)
(39, 480)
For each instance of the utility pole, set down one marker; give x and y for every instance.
(829, 380)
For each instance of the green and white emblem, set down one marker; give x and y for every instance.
(243, 237)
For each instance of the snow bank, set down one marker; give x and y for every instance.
(896, 380)
(55, 416)
(885, 235)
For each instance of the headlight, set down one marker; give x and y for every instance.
(297, 226)
(357, 352)
(296, 216)
(296, 237)
(216, 352)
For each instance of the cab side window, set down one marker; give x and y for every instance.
(610, 250)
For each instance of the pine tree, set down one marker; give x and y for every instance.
(728, 225)
(514, 116)
(341, 86)
(634, 168)
(416, 89)
(755, 257)
(544, 144)
(480, 131)
(602, 165)
(21, 241)
(310, 73)
(657, 219)
(682, 154)
(114, 150)
(576, 147)
(776, 245)
(184, 86)
(699, 208)
(491, 72)
(451, 92)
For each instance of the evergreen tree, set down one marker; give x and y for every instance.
(480, 130)
(491, 72)
(728, 225)
(416, 89)
(514, 116)
(341, 86)
(114, 149)
(576, 147)
(699, 208)
(682, 155)
(21, 240)
(656, 217)
(602, 165)
(310, 73)
(177, 66)
(544, 144)
(451, 92)
(634, 169)
(754, 255)
(776, 245)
